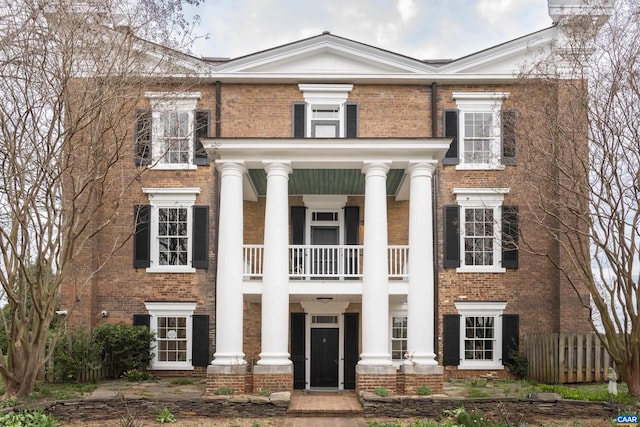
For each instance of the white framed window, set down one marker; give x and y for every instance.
(398, 337)
(325, 104)
(480, 229)
(171, 226)
(480, 334)
(172, 324)
(173, 129)
(479, 129)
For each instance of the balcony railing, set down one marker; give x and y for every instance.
(325, 262)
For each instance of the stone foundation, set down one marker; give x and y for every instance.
(233, 377)
(272, 378)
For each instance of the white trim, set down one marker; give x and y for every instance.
(172, 309)
(481, 102)
(324, 202)
(172, 95)
(482, 198)
(170, 198)
(486, 309)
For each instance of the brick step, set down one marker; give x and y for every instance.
(325, 413)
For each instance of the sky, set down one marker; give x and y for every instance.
(422, 29)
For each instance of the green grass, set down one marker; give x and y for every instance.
(181, 381)
(61, 391)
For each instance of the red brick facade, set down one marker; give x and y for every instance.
(535, 290)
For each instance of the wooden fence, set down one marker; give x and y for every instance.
(567, 358)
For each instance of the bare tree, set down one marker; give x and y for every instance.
(586, 99)
(71, 73)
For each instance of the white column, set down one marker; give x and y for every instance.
(375, 283)
(229, 300)
(420, 301)
(275, 278)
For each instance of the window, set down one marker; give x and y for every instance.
(172, 325)
(481, 235)
(168, 135)
(481, 334)
(171, 233)
(398, 337)
(325, 112)
(484, 135)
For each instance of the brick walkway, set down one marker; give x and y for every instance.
(318, 409)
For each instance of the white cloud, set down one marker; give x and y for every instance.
(407, 10)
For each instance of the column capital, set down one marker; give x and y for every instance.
(282, 168)
(421, 169)
(231, 168)
(376, 168)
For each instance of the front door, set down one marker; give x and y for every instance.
(324, 357)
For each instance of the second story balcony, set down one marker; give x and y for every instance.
(326, 262)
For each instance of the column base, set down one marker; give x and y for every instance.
(417, 376)
(273, 378)
(227, 376)
(370, 377)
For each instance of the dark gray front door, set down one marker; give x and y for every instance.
(324, 357)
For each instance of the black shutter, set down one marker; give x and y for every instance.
(451, 340)
(351, 237)
(509, 137)
(142, 134)
(351, 332)
(450, 126)
(298, 331)
(510, 237)
(299, 110)
(351, 121)
(200, 236)
(510, 336)
(142, 320)
(451, 236)
(200, 342)
(298, 214)
(142, 236)
(202, 119)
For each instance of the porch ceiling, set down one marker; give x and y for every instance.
(326, 181)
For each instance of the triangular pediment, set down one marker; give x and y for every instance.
(326, 54)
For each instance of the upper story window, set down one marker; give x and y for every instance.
(481, 235)
(171, 234)
(325, 112)
(168, 135)
(484, 134)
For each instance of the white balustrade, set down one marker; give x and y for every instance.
(325, 261)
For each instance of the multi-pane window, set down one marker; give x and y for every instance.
(173, 238)
(398, 337)
(176, 136)
(479, 129)
(479, 238)
(171, 338)
(172, 325)
(479, 137)
(479, 338)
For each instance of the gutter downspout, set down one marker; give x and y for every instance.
(434, 197)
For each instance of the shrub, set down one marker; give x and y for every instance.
(28, 419)
(464, 418)
(381, 391)
(165, 416)
(124, 347)
(76, 351)
(424, 391)
(134, 375)
(518, 365)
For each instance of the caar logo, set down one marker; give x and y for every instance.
(627, 420)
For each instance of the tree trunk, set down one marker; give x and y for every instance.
(631, 375)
